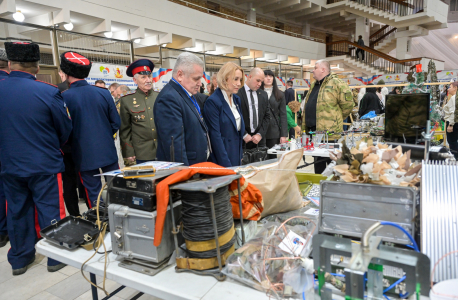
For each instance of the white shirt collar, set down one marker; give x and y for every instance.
(176, 81)
(247, 89)
(226, 97)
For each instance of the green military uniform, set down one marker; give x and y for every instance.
(334, 104)
(138, 132)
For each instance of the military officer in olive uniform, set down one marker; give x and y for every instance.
(138, 132)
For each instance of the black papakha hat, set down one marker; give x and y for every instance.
(22, 51)
(75, 64)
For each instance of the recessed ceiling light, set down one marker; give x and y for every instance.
(68, 26)
(18, 16)
(108, 34)
(136, 41)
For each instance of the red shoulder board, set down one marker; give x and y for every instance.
(47, 83)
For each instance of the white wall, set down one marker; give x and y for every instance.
(168, 17)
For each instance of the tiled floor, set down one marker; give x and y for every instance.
(67, 284)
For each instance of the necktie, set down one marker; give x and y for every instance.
(254, 115)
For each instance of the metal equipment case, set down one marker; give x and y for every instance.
(349, 209)
(132, 234)
(139, 193)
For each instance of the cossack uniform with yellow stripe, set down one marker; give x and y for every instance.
(34, 124)
(138, 131)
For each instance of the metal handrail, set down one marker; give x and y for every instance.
(381, 35)
(247, 22)
(373, 58)
(396, 7)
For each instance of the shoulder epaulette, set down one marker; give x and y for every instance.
(47, 83)
(127, 93)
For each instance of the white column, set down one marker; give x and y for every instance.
(362, 29)
(403, 47)
(251, 14)
(306, 29)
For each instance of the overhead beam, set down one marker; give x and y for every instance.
(7, 7)
(62, 16)
(295, 8)
(102, 27)
(304, 12)
(282, 4)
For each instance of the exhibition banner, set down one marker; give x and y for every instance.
(110, 73)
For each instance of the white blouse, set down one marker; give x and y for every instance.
(449, 111)
(233, 107)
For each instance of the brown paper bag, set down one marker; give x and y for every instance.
(279, 188)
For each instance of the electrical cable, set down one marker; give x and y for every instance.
(102, 237)
(394, 284)
(415, 246)
(197, 219)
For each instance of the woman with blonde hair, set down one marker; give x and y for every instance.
(224, 119)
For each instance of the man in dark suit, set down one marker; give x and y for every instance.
(289, 92)
(177, 114)
(255, 110)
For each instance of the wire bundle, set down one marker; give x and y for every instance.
(197, 219)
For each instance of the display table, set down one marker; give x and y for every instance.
(166, 285)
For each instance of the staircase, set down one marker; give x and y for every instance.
(387, 45)
(384, 40)
(430, 14)
(374, 63)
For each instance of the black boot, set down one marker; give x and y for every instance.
(3, 240)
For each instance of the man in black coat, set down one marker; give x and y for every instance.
(177, 114)
(255, 110)
(289, 92)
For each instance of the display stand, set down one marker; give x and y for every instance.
(208, 186)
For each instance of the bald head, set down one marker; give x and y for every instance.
(322, 69)
(255, 79)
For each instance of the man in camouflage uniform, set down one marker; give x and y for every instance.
(328, 103)
(138, 131)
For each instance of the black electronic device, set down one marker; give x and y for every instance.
(139, 193)
(70, 232)
(406, 116)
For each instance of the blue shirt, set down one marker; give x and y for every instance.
(3, 74)
(33, 125)
(95, 120)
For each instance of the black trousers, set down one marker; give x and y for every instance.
(452, 139)
(70, 183)
(269, 144)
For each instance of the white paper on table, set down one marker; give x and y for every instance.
(293, 243)
(158, 165)
(312, 212)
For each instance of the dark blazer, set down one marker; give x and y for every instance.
(289, 95)
(263, 112)
(176, 116)
(201, 98)
(278, 122)
(95, 120)
(226, 140)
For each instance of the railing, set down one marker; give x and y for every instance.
(372, 58)
(382, 34)
(245, 21)
(396, 7)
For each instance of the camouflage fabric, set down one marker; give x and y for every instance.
(138, 132)
(334, 104)
(355, 93)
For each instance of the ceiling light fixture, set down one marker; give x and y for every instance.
(136, 41)
(68, 26)
(18, 16)
(108, 34)
(164, 45)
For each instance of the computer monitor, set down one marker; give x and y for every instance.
(406, 116)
